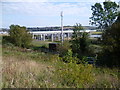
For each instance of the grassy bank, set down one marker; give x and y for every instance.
(23, 68)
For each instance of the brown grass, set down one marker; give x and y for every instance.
(32, 69)
(25, 73)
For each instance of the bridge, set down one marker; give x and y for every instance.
(54, 35)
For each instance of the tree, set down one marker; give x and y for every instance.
(19, 36)
(76, 30)
(104, 15)
(79, 41)
(110, 55)
(118, 19)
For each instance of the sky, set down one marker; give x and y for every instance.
(45, 13)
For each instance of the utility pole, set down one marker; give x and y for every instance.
(62, 26)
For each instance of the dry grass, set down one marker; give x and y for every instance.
(107, 79)
(33, 69)
(25, 73)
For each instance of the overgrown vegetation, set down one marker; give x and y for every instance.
(79, 42)
(19, 36)
(63, 48)
(105, 18)
(23, 68)
(68, 67)
(111, 50)
(75, 75)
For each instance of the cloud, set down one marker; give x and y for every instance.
(56, 0)
(24, 0)
(45, 9)
(48, 12)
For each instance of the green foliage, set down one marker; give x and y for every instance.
(111, 50)
(95, 49)
(36, 69)
(63, 48)
(75, 75)
(118, 18)
(104, 16)
(69, 58)
(79, 41)
(76, 30)
(103, 78)
(20, 36)
(5, 39)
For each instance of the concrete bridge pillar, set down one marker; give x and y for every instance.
(52, 37)
(58, 37)
(32, 36)
(68, 36)
(63, 36)
(35, 36)
(43, 37)
(40, 36)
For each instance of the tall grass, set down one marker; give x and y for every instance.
(24, 68)
(25, 73)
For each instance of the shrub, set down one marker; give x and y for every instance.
(63, 48)
(19, 36)
(6, 42)
(74, 75)
(111, 50)
(5, 39)
(69, 58)
(79, 42)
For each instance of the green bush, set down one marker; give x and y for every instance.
(79, 42)
(19, 36)
(6, 42)
(72, 74)
(5, 39)
(69, 58)
(63, 48)
(75, 75)
(111, 50)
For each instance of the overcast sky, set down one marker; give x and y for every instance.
(44, 13)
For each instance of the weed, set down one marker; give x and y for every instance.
(75, 75)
